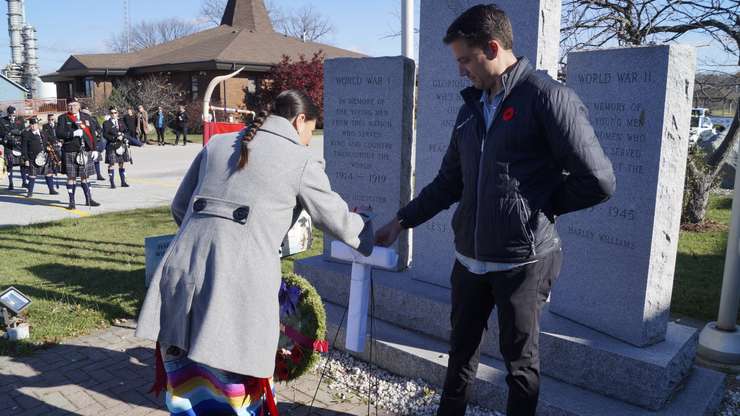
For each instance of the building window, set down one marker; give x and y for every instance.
(89, 87)
(194, 86)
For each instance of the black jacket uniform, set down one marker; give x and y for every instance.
(130, 122)
(110, 133)
(539, 159)
(49, 133)
(10, 137)
(32, 144)
(65, 131)
(181, 120)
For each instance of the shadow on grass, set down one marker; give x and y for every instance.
(97, 283)
(724, 203)
(72, 255)
(697, 285)
(71, 244)
(86, 241)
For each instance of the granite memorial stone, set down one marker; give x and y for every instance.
(619, 257)
(368, 135)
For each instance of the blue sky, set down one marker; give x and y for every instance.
(359, 25)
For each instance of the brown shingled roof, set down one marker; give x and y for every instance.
(245, 36)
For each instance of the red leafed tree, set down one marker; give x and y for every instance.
(305, 75)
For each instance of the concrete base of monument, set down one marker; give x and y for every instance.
(414, 355)
(574, 354)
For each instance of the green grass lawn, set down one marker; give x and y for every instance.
(83, 274)
(700, 263)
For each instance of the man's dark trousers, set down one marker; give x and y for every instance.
(518, 295)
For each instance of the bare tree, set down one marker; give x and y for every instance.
(150, 91)
(596, 23)
(394, 28)
(306, 24)
(213, 10)
(147, 34)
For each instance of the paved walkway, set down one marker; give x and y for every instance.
(109, 373)
(154, 178)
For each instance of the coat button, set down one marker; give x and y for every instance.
(200, 205)
(241, 213)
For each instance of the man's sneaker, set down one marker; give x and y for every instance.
(92, 203)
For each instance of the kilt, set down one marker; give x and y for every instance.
(112, 158)
(47, 169)
(73, 170)
(10, 159)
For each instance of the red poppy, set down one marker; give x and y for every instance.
(508, 113)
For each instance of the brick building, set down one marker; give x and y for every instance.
(244, 38)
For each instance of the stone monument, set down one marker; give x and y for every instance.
(368, 135)
(620, 256)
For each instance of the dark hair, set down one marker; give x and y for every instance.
(481, 24)
(112, 108)
(288, 104)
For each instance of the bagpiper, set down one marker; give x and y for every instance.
(117, 147)
(38, 157)
(97, 131)
(55, 145)
(10, 136)
(74, 128)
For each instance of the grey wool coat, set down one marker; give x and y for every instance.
(215, 292)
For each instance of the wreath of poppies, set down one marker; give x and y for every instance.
(302, 328)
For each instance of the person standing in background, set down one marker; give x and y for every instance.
(130, 121)
(181, 126)
(160, 122)
(142, 124)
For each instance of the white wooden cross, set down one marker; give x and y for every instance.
(359, 291)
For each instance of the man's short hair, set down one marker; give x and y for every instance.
(481, 24)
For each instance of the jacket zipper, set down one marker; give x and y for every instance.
(477, 186)
(486, 129)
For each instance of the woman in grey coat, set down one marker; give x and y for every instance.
(214, 295)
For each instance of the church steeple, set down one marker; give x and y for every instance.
(247, 14)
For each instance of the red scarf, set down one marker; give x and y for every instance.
(84, 128)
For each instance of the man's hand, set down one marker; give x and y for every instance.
(77, 133)
(388, 234)
(27, 163)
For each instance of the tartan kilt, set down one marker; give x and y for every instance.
(111, 158)
(72, 169)
(10, 159)
(34, 170)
